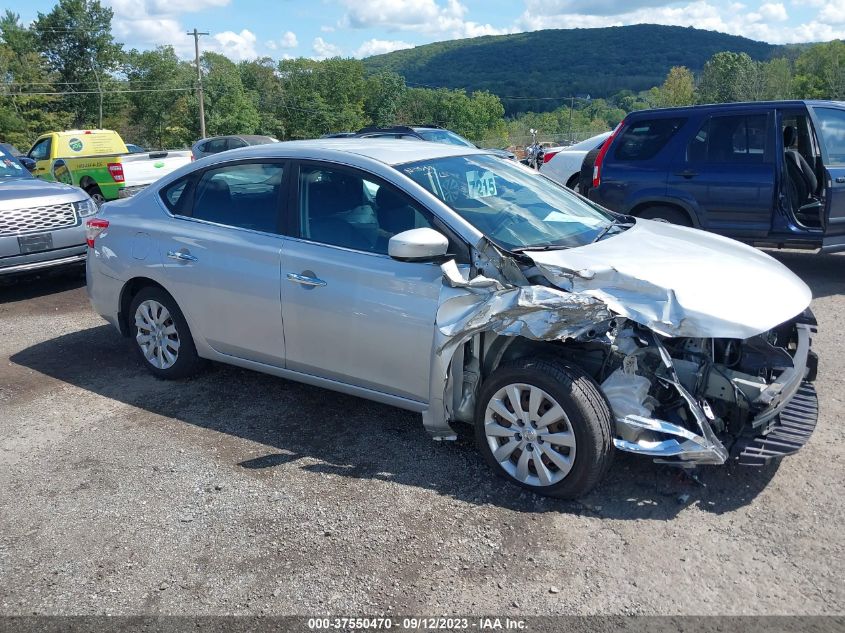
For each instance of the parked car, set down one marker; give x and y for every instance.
(23, 159)
(216, 144)
(432, 133)
(134, 149)
(444, 280)
(41, 223)
(769, 173)
(563, 164)
(99, 162)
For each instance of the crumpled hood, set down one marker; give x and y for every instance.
(680, 281)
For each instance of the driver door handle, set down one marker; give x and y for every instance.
(305, 280)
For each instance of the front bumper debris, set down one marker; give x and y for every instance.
(787, 434)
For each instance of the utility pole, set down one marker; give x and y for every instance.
(196, 35)
(99, 89)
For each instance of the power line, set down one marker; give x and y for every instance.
(91, 92)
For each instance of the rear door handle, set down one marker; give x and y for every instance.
(305, 280)
(181, 256)
(687, 173)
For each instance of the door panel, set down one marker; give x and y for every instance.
(222, 256)
(369, 322)
(830, 126)
(226, 280)
(728, 168)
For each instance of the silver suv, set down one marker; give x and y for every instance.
(473, 290)
(41, 223)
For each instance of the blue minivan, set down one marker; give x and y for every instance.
(767, 173)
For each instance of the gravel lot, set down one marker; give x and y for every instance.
(240, 493)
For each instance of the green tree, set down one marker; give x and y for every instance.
(382, 95)
(779, 82)
(228, 109)
(24, 116)
(727, 77)
(322, 96)
(678, 89)
(159, 78)
(820, 71)
(263, 87)
(76, 41)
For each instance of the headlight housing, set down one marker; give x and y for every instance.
(85, 207)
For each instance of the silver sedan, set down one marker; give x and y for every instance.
(475, 291)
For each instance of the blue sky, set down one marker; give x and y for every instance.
(245, 29)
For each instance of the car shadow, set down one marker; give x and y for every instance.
(354, 438)
(825, 274)
(31, 286)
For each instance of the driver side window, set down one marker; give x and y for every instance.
(41, 150)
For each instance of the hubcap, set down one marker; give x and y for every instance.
(529, 434)
(156, 334)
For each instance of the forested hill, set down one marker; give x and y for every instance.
(562, 62)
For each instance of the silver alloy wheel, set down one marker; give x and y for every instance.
(529, 434)
(98, 198)
(156, 334)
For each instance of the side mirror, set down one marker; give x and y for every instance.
(27, 162)
(418, 245)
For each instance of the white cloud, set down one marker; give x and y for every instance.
(832, 12)
(323, 49)
(377, 47)
(431, 17)
(289, 40)
(765, 23)
(235, 46)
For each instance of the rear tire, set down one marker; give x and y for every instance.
(161, 335)
(558, 440)
(665, 214)
(574, 183)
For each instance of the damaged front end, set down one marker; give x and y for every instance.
(698, 401)
(677, 395)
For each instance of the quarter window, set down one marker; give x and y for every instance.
(342, 208)
(244, 196)
(731, 139)
(642, 140)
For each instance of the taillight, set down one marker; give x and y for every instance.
(93, 228)
(116, 171)
(549, 155)
(602, 152)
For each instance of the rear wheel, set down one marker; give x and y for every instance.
(665, 214)
(161, 334)
(573, 183)
(545, 426)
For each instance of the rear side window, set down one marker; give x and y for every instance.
(833, 132)
(642, 140)
(245, 195)
(731, 139)
(215, 146)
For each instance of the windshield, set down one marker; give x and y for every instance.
(10, 167)
(444, 136)
(515, 207)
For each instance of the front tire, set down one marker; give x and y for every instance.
(161, 335)
(96, 195)
(545, 426)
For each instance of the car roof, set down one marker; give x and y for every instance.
(710, 107)
(383, 150)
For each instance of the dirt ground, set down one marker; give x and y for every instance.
(240, 493)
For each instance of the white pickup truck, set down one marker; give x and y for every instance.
(99, 162)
